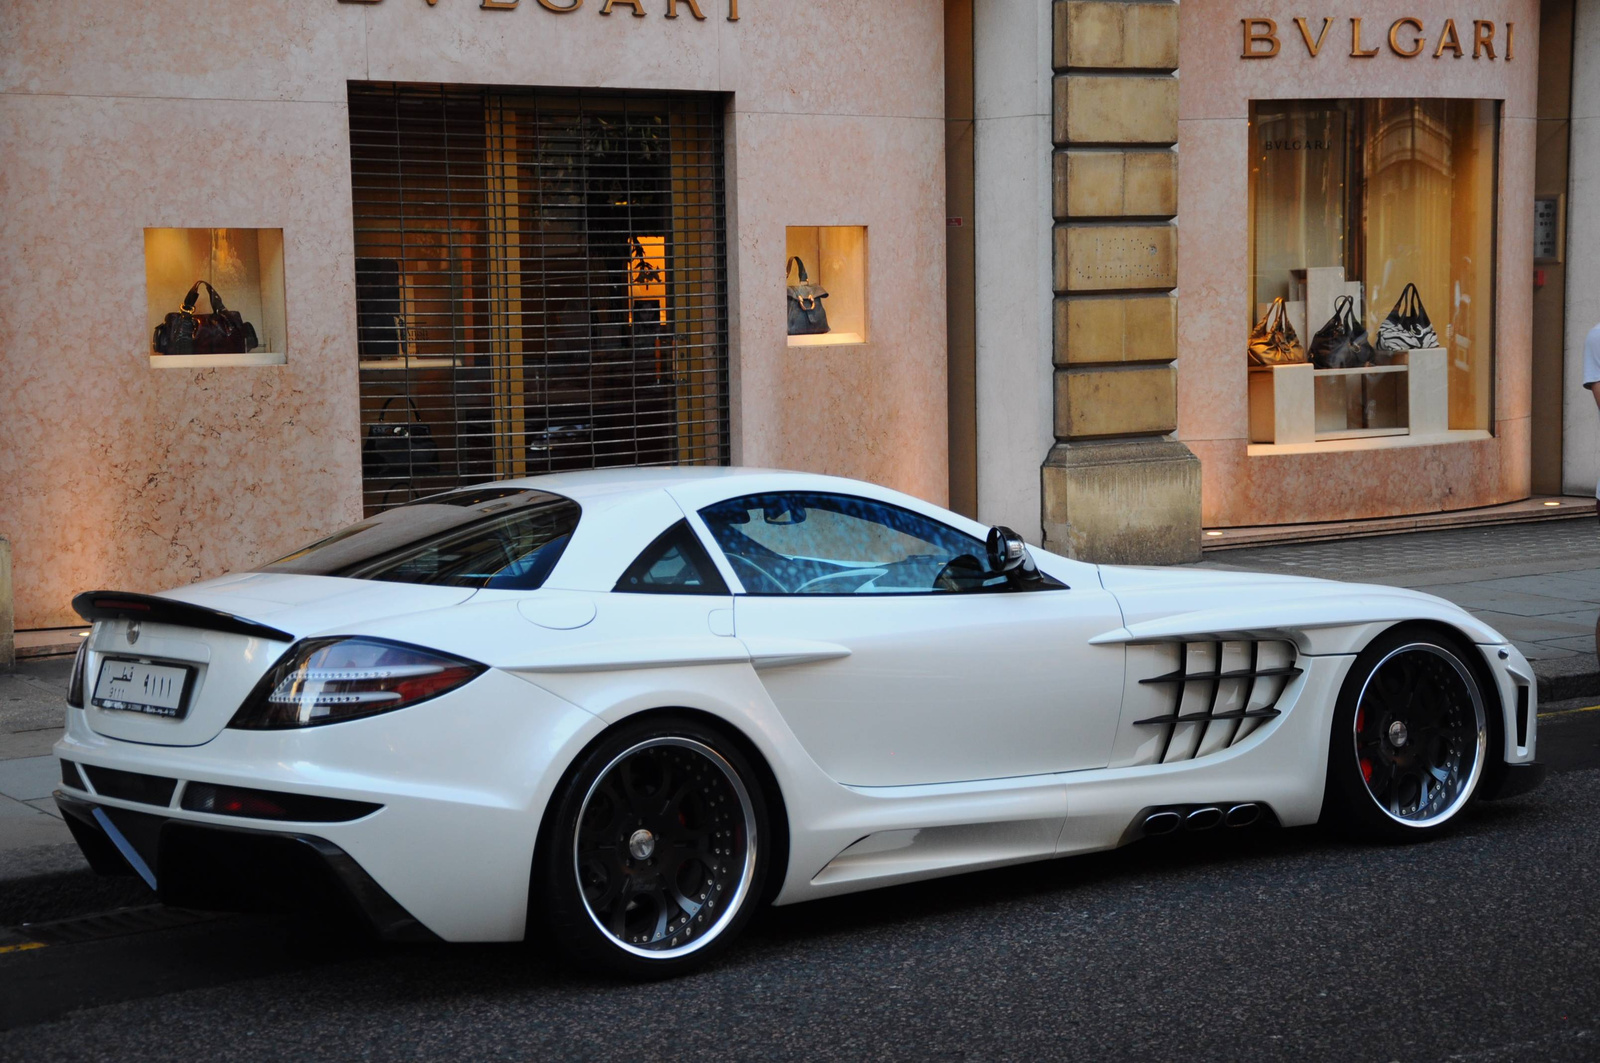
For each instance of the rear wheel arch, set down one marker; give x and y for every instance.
(778, 813)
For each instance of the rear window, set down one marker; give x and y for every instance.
(489, 537)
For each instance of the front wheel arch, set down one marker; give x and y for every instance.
(1342, 809)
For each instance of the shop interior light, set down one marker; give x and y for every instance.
(1214, 535)
(1552, 503)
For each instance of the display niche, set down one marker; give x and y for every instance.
(189, 272)
(827, 284)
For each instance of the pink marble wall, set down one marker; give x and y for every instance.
(117, 117)
(1213, 256)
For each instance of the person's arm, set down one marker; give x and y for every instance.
(1595, 391)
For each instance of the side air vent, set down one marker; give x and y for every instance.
(1219, 693)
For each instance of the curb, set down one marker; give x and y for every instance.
(1565, 678)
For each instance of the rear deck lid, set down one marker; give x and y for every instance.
(172, 669)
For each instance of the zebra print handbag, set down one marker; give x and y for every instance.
(1407, 327)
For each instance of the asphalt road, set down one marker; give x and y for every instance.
(1285, 943)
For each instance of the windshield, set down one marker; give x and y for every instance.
(504, 538)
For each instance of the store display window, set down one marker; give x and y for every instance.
(826, 267)
(214, 297)
(1372, 272)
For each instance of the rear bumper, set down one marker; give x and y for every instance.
(195, 865)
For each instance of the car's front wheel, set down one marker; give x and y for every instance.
(656, 850)
(1411, 735)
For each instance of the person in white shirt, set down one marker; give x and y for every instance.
(1591, 377)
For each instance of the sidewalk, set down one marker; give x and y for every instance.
(33, 839)
(1539, 584)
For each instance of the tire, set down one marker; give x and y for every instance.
(656, 851)
(1411, 739)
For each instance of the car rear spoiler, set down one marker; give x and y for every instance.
(121, 605)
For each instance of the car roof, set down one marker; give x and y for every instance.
(593, 484)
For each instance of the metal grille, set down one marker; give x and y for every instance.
(1221, 692)
(541, 283)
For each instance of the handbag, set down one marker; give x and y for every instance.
(1272, 341)
(1407, 327)
(222, 331)
(806, 314)
(399, 450)
(1342, 343)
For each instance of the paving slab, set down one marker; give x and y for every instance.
(1545, 651)
(28, 743)
(1581, 585)
(1483, 596)
(23, 826)
(29, 778)
(1577, 643)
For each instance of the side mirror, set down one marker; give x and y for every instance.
(1007, 550)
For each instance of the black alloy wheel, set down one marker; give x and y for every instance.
(1412, 734)
(656, 851)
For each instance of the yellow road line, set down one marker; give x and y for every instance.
(1568, 712)
(24, 947)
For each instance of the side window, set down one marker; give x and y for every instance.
(675, 563)
(812, 543)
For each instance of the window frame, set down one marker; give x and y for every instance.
(683, 536)
(1010, 585)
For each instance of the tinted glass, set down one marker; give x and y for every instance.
(498, 538)
(675, 563)
(803, 543)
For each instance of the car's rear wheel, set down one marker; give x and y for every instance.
(657, 850)
(1410, 738)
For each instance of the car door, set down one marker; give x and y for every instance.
(895, 655)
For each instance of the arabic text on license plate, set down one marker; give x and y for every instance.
(134, 686)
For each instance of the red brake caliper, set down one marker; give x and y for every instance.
(1366, 765)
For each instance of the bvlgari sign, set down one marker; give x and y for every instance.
(1408, 38)
(636, 8)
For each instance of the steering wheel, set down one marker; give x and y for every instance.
(958, 569)
(739, 559)
(870, 574)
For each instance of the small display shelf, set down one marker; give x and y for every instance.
(242, 266)
(413, 361)
(835, 258)
(1298, 404)
(215, 361)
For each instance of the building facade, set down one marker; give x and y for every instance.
(474, 239)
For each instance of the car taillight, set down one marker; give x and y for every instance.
(328, 680)
(80, 662)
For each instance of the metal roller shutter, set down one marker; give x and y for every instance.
(541, 283)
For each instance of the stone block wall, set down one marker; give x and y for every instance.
(1116, 488)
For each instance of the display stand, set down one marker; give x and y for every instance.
(1283, 400)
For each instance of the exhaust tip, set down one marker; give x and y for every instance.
(1244, 815)
(1204, 818)
(1162, 823)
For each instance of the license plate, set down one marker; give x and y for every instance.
(140, 686)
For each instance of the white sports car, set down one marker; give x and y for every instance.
(619, 710)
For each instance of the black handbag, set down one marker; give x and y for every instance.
(806, 314)
(1407, 327)
(222, 331)
(1342, 343)
(401, 449)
